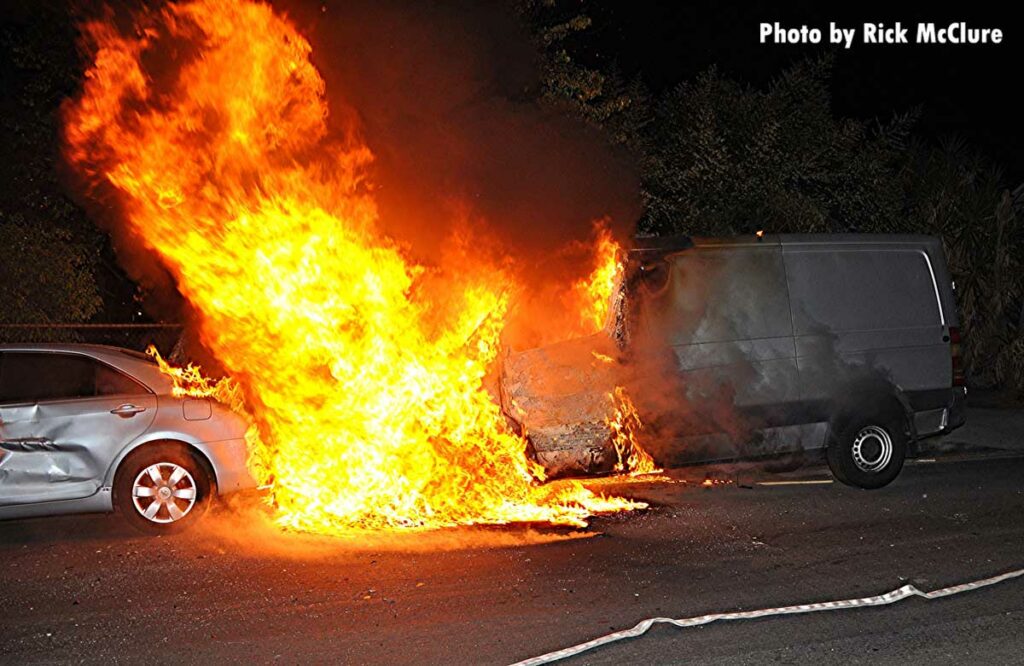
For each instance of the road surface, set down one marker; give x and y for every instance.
(85, 589)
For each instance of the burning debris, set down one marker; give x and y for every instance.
(362, 371)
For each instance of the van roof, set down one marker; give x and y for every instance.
(670, 243)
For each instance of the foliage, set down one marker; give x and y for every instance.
(45, 274)
(600, 95)
(51, 252)
(723, 159)
(957, 194)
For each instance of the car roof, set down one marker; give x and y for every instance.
(75, 347)
(135, 363)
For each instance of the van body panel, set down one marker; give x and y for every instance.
(791, 322)
(716, 341)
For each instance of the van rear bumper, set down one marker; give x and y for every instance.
(957, 409)
(938, 420)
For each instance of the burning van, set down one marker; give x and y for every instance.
(752, 347)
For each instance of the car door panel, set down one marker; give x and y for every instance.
(60, 448)
(866, 312)
(724, 313)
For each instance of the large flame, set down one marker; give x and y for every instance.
(362, 371)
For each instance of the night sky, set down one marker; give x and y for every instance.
(969, 90)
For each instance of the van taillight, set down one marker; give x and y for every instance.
(959, 378)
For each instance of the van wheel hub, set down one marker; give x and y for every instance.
(872, 449)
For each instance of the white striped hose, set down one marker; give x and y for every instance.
(900, 594)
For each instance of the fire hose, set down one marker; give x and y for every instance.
(892, 597)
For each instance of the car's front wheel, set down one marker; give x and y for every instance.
(868, 452)
(162, 488)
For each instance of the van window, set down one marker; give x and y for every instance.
(721, 295)
(41, 376)
(860, 290)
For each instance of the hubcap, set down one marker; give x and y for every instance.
(164, 492)
(872, 449)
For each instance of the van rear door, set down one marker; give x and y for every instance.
(867, 306)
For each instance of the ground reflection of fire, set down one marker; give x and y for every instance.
(362, 371)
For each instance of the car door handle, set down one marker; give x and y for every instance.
(127, 410)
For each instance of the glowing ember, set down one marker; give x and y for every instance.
(362, 372)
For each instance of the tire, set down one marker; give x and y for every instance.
(868, 452)
(162, 489)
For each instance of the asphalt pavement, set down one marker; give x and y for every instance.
(87, 589)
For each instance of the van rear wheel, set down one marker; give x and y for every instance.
(868, 452)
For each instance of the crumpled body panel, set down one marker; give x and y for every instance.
(560, 396)
(61, 450)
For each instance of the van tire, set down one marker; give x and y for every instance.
(868, 452)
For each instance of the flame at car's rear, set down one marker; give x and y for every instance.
(362, 371)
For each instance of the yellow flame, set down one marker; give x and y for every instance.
(363, 373)
(625, 424)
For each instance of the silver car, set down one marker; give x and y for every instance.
(88, 428)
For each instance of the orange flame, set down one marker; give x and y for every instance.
(625, 424)
(362, 372)
(190, 381)
(595, 291)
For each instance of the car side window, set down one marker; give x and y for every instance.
(858, 290)
(39, 376)
(114, 382)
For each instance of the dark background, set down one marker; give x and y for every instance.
(965, 90)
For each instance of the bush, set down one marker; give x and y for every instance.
(955, 193)
(722, 158)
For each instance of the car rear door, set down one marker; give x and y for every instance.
(63, 419)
